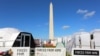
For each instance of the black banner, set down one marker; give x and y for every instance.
(86, 52)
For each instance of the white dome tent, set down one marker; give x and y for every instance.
(96, 36)
(7, 36)
(11, 37)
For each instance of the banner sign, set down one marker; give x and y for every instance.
(14, 51)
(50, 52)
(85, 52)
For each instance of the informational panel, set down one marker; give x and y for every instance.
(85, 52)
(14, 51)
(50, 52)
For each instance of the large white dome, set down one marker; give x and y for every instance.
(6, 33)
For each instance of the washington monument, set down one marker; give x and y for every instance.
(51, 29)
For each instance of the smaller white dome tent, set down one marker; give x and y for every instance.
(96, 36)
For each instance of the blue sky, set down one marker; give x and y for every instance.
(32, 16)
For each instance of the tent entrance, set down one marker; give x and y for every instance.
(23, 40)
(26, 40)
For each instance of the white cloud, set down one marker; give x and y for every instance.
(65, 27)
(80, 11)
(86, 13)
(89, 14)
(81, 29)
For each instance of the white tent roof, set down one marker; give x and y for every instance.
(95, 31)
(8, 35)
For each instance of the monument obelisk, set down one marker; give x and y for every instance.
(51, 42)
(51, 29)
